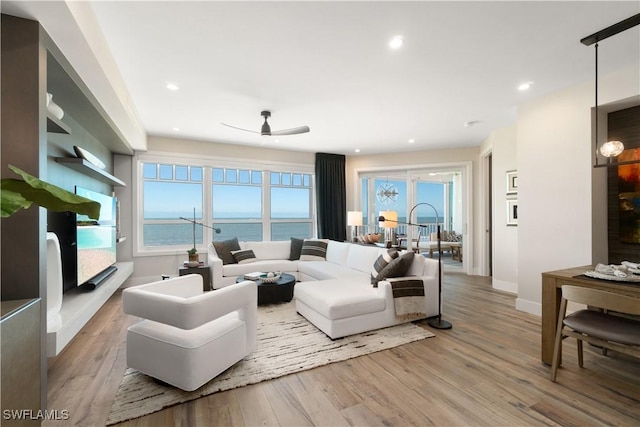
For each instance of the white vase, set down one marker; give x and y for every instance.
(54, 108)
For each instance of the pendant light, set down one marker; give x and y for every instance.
(609, 149)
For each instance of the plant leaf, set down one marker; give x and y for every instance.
(12, 202)
(48, 195)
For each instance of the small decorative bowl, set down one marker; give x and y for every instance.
(266, 278)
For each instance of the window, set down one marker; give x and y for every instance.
(171, 192)
(251, 204)
(237, 203)
(291, 205)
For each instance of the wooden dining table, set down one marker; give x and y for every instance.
(552, 282)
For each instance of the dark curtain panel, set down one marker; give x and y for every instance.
(331, 196)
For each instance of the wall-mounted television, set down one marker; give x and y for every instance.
(96, 240)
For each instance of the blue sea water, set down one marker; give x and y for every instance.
(182, 234)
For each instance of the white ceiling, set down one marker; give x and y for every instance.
(327, 65)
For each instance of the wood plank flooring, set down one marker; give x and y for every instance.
(486, 371)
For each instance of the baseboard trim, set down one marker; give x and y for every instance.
(529, 306)
(501, 285)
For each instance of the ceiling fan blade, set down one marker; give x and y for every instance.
(292, 131)
(234, 127)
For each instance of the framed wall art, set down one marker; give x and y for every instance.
(512, 182)
(512, 212)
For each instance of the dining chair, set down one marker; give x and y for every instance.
(609, 328)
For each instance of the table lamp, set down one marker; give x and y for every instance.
(354, 219)
(390, 222)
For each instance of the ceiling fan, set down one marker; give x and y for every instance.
(266, 129)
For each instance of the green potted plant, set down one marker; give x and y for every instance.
(16, 194)
(193, 257)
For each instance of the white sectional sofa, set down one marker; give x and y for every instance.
(336, 294)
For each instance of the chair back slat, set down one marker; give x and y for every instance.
(602, 299)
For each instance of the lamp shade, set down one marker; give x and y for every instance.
(354, 218)
(612, 148)
(390, 219)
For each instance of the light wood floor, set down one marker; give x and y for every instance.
(486, 371)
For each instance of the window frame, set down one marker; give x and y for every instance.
(208, 164)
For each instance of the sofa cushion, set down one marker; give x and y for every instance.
(270, 250)
(325, 270)
(314, 250)
(396, 268)
(224, 248)
(244, 256)
(337, 252)
(362, 257)
(383, 260)
(234, 270)
(333, 300)
(296, 248)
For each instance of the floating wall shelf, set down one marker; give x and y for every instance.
(89, 169)
(55, 125)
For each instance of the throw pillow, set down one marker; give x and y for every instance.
(383, 260)
(296, 249)
(396, 268)
(224, 248)
(244, 256)
(313, 250)
(453, 237)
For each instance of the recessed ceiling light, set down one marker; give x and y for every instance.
(172, 86)
(525, 86)
(357, 150)
(176, 129)
(276, 140)
(396, 42)
(411, 141)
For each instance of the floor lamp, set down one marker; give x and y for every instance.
(437, 322)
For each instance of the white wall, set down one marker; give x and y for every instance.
(555, 181)
(502, 143)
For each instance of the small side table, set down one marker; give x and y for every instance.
(202, 270)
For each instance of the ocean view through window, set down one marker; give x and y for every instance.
(249, 204)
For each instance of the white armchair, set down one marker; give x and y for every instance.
(188, 336)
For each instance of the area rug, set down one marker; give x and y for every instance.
(287, 343)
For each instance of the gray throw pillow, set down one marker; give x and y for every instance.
(296, 248)
(244, 256)
(224, 248)
(314, 250)
(396, 268)
(383, 260)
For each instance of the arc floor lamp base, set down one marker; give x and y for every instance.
(439, 323)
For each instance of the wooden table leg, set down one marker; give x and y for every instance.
(551, 295)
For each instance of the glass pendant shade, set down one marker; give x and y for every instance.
(612, 148)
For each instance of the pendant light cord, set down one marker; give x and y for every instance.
(597, 118)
